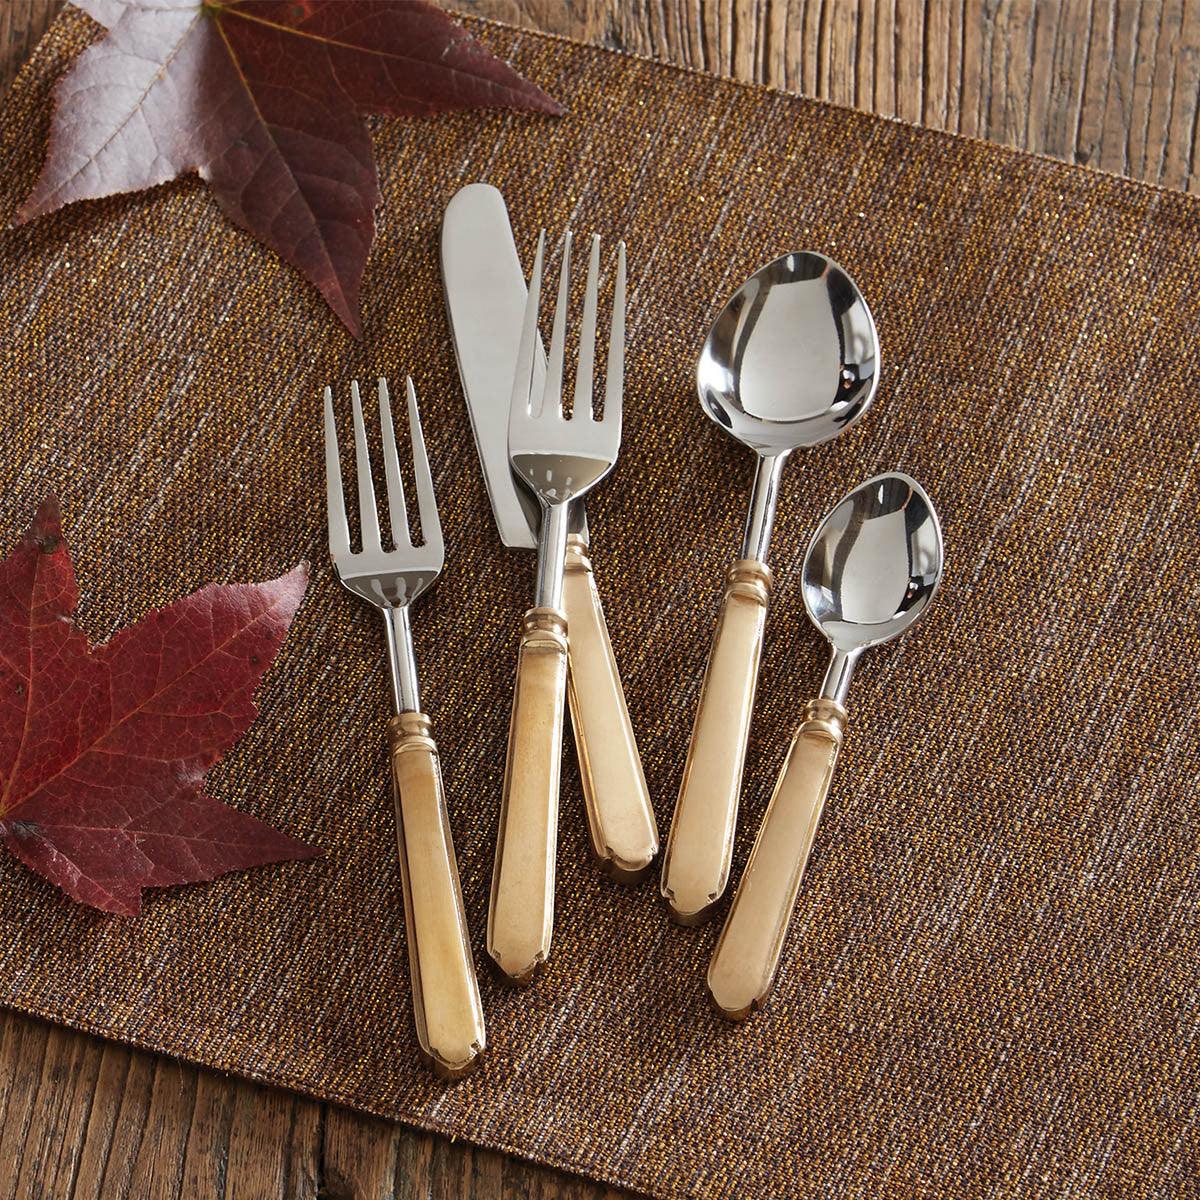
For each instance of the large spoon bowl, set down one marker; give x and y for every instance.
(793, 358)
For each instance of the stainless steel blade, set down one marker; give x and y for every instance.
(485, 296)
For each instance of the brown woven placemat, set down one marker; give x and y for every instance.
(990, 984)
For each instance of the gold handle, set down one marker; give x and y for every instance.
(700, 844)
(521, 913)
(446, 1007)
(747, 955)
(620, 820)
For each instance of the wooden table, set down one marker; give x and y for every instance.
(1111, 84)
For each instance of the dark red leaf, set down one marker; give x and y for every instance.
(263, 98)
(103, 752)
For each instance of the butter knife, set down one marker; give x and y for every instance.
(485, 297)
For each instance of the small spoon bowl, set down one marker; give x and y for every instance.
(793, 358)
(874, 564)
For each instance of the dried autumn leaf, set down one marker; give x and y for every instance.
(103, 751)
(263, 98)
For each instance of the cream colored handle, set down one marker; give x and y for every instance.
(700, 844)
(620, 820)
(521, 913)
(747, 955)
(446, 1007)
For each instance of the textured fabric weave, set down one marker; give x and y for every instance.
(989, 989)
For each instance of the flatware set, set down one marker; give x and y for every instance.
(792, 360)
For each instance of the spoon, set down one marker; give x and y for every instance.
(871, 571)
(791, 361)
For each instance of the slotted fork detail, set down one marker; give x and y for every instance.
(446, 1006)
(560, 459)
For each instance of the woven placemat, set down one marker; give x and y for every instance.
(989, 989)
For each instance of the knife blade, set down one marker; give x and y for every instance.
(485, 296)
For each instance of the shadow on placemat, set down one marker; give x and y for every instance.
(989, 988)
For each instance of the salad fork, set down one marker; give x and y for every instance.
(559, 459)
(446, 1007)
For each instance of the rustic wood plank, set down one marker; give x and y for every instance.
(113, 1136)
(1111, 83)
(53, 1079)
(22, 23)
(274, 1143)
(362, 1157)
(206, 1156)
(61, 1107)
(22, 1046)
(162, 1138)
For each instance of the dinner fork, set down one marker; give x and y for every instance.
(446, 1007)
(559, 459)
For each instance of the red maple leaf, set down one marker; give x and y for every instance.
(263, 99)
(103, 751)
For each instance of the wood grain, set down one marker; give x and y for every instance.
(1110, 83)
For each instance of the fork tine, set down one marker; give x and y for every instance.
(366, 490)
(581, 403)
(431, 527)
(558, 338)
(521, 401)
(335, 500)
(614, 378)
(397, 512)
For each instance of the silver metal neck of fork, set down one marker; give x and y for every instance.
(761, 518)
(402, 663)
(552, 553)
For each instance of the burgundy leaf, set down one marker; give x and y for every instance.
(103, 752)
(263, 98)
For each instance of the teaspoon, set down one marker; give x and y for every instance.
(792, 360)
(871, 571)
